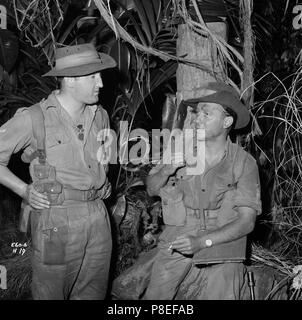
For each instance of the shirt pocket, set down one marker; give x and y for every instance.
(222, 186)
(59, 149)
(173, 209)
(191, 195)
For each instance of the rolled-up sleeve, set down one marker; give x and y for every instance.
(15, 134)
(247, 193)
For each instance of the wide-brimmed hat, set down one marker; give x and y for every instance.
(79, 60)
(224, 95)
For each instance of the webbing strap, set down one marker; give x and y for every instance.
(238, 165)
(38, 128)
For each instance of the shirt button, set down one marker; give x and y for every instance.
(55, 229)
(203, 190)
(89, 166)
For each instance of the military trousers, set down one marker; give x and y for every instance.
(174, 276)
(170, 267)
(71, 251)
(221, 281)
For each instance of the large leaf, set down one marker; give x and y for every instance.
(151, 15)
(68, 30)
(137, 27)
(101, 31)
(213, 7)
(157, 6)
(121, 54)
(169, 110)
(145, 23)
(127, 19)
(143, 19)
(119, 209)
(148, 21)
(157, 78)
(165, 41)
(9, 47)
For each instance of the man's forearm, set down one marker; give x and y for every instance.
(234, 230)
(11, 181)
(243, 225)
(156, 181)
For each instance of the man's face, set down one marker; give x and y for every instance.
(209, 117)
(86, 88)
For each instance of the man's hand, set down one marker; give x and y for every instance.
(186, 245)
(177, 161)
(155, 181)
(35, 199)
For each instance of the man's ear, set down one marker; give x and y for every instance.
(227, 122)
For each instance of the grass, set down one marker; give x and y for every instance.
(18, 266)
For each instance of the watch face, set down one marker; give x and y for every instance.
(209, 242)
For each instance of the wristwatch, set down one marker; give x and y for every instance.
(209, 243)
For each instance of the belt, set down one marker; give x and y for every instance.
(81, 195)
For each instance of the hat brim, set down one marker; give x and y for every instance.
(225, 99)
(104, 62)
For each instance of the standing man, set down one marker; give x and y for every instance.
(70, 227)
(207, 214)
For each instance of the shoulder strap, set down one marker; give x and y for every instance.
(38, 128)
(101, 118)
(239, 163)
(98, 119)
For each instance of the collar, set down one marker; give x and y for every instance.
(229, 148)
(53, 102)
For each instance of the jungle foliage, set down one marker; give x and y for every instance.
(141, 35)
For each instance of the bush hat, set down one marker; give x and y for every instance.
(224, 95)
(79, 60)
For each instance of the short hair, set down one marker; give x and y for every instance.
(59, 82)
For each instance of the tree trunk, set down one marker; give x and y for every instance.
(196, 47)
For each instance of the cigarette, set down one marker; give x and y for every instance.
(170, 247)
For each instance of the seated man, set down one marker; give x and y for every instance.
(209, 213)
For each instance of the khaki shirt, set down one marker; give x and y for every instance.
(216, 186)
(75, 161)
(198, 204)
